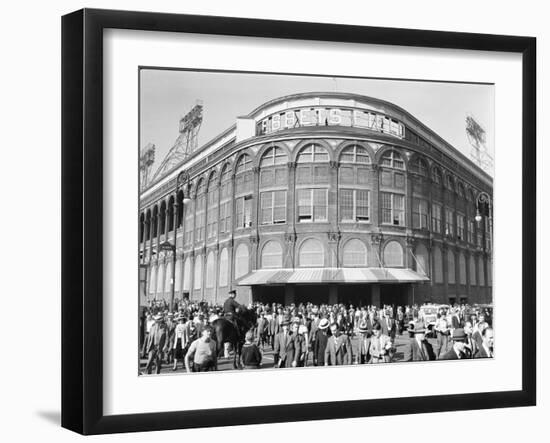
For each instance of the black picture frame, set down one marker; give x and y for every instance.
(82, 220)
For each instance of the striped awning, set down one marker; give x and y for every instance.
(331, 275)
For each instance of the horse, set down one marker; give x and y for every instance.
(226, 332)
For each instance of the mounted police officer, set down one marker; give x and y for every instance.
(230, 309)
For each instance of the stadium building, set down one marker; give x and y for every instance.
(321, 197)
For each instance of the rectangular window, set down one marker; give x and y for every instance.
(243, 212)
(460, 227)
(225, 216)
(354, 205)
(436, 218)
(420, 214)
(273, 207)
(312, 205)
(449, 222)
(393, 209)
(470, 231)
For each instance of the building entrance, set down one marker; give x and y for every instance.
(357, 295)
(394, 294)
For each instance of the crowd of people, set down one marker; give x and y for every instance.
(307, 334)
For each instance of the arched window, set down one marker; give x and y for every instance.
(272, 255)
(200, 208)
(241, 260)
(148, 226)
(355, 253)
(313, 154)
(187, 274)
(273, 168)
(312, 169)
(436, 175)
(243, 192)
(224, 268)
(155, 221)
(422, 261)
(152, 279)
(160, 278)
(170, 214)
(212, 207)
(462, 269)
(451, 279)
(392, 159)
(438, 265)
(393, 254)
(354, 154)
(473, 280)
(225, 200)
(354, 169)
(419, 166)
(311, 254)
(274, 156)
(197, 278)
(162, 221)
(210, 270)
(179, 214)
(243, 175)
(312, 165)
(141, 227)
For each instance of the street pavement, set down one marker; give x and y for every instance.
(226, 364)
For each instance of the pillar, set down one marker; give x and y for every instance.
(411, 299)
(375, 296)
(290, 296)
(332, 294)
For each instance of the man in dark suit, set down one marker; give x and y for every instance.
(420, 348)
(363, 343)
(388, 325)
(284, 351)
(338, 351)
(320, 343)
(155, 343)
(486, 348)
(459, 350)
(262, 328)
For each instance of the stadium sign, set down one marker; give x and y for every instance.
(322, 116)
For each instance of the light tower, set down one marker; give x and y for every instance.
(186, 143)
(476, 137)
(146, 160)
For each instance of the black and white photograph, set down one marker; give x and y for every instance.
(294, 221)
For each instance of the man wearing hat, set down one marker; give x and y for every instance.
(339, 351)
(420, 348)
(320, 342)
(155, 344)
(459, 350)
(231, 306)
(363, 343)
(284, 351)
(170, 338)
(380, 345)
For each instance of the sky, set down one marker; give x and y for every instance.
(167, 95)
